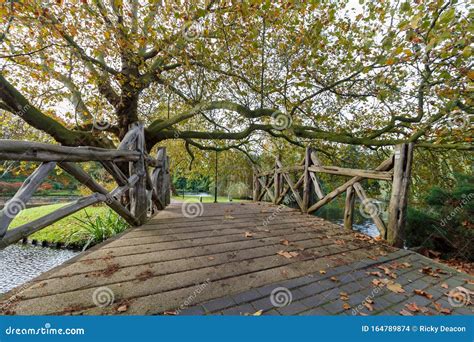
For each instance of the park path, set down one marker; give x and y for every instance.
(243, 259)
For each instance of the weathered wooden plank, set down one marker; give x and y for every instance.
(317, 185)
(293, 189)
(399, 196)
(138, 198)
(88, 181)
(384, 166)
(306, 180)
(34, 151)
(29, 228)
(374, 214)
(349, 208)
(335, 170)
(18, 202)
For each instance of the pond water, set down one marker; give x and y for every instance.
(21, 263)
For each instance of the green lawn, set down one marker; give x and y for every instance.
(59, 231)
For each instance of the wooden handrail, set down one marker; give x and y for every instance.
(270, 183)
(137, 195)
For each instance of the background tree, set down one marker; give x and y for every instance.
(221, 74)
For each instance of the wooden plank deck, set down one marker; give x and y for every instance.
(227, 261)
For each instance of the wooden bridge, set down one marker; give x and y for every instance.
(238, 259)
(198, 259)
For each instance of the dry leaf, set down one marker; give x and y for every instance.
(440, 309)
(210, 258)
(248, 234)
(444, 286)
(322, 271)
(170, 313)
(288, 255)
(122, 308)
(258, 313)
(343, 295)
(369, 306)
(412, 307)
(334, 279)
(405, 313)
(375, 273)
(284, 242)
(423, 293)
(346, 306)
(395, 287)
(229, 217)
(376, 282)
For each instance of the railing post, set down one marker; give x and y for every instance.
(349, 208)
(138, 198)
(276, 181)
(398, 201)
(306, 180)
(255, 189)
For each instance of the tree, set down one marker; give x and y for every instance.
(224, 75)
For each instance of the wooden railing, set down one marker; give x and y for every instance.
(143, 182)
(396, 169)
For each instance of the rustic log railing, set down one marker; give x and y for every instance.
(143, 182)
(396, 169)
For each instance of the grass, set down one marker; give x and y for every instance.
(206, 199)
(59, 231)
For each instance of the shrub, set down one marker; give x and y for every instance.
(445, 223)
(95, 229)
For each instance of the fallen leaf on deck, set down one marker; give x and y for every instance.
(395, 287)
(287, 255)
(258, 313)
(170, 313)
(340, 242)
(429, 271)
(440, 309)
(423, 293)
(369, 306)
(412, 307)
(334, 279)
(346, 306)
(343, 296)
(122, 308)
(229, 217)
(284, 242)
(322, 271)
(444, 285)
(405, 313)
(375, 273)
(376, 282)
(248, 234)
(210, 258)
